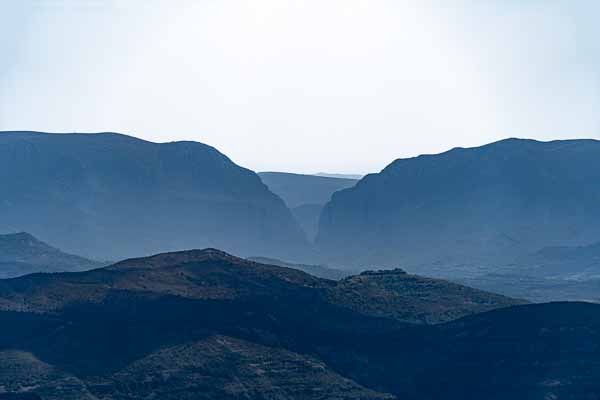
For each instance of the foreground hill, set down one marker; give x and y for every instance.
(411, 298)
(305, 195)
(112, 196)
(544, 351)
(214, 275)
(204, 324)
(215, 367)
(22, 254)
(479, 206)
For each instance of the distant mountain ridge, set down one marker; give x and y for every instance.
(113, 196)
(305, 195)
(299, 189)
(320, 271)
(486, 205)
(342, 176)
(22, 254)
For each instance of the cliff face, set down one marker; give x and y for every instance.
(482, 205)
(112, 196)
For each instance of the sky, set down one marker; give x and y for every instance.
(342, 86)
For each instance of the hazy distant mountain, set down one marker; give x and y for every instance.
(343, 176)
(132, 330)
(570, 262)
(550, 274)
(113, 196)
(297, 190)
(320, 271)
(305, 195)
(536, 288)
(479, 206)
(22, 254)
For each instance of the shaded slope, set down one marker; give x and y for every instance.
(546, 351)
(413, 298)
(217, 367)
(214, 275)
(23, 372)
(221, 367)
(182, 324)
(478, 206)
(111, 325)
(197, 274)
(112, 196)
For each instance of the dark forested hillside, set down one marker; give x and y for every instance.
(204, 324)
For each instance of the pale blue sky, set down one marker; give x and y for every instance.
(305, 86)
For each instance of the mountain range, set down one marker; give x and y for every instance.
(112, 196)
(204, 324)
(468, 208)
(356, 177)
(349, 316)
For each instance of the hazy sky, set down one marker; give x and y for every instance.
(305, 86)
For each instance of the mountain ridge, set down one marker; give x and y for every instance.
(101, 190)
(481, 206)
(21, 254)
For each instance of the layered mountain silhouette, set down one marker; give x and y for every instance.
(483, 207)
(203, 324)
(22, 254)
(299, 189)
(305, 195)
(343, 176)
(112, 196)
